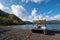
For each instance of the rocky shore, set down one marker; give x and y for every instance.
(7, 33)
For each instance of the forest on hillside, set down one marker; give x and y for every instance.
(9, 19)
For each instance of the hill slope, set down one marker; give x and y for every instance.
(9, 19)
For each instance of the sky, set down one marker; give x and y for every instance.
(29, 10)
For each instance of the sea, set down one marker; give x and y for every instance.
(55, 27)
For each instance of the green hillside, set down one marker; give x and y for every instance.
(9, 19)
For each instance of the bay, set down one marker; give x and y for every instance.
(49, 26)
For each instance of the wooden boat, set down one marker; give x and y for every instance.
(40, 25)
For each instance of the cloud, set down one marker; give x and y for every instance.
(4, 8)
(35, 1)
(19, 11)
(34, 14)
(55, 17)
(30, 18)
(34, 11)
(40, 16)
(25, 1)
(50, 11)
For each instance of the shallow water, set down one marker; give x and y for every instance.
(53, 26)
(49, 26)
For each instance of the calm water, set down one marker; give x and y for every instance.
(53, 26)
(49, 26)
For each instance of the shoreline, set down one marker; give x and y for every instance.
(25, 34)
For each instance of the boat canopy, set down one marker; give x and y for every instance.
(39, 21)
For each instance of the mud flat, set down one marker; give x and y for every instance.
(26, 34)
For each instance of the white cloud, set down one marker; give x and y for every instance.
(19, 11)
(25, 1)
(50, 11)
(56, 17)
(35, 1)
(34, 14)
(30, 18)
(34, 11)
(4, 8)
(40, 16)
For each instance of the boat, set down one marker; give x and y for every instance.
(40, 25)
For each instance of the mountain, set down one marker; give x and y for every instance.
(9, 19)
(3, 14)
(28, 22)
(53, 21)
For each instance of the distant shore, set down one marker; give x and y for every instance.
(7, 33)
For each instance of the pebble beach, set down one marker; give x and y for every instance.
(25, 34)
